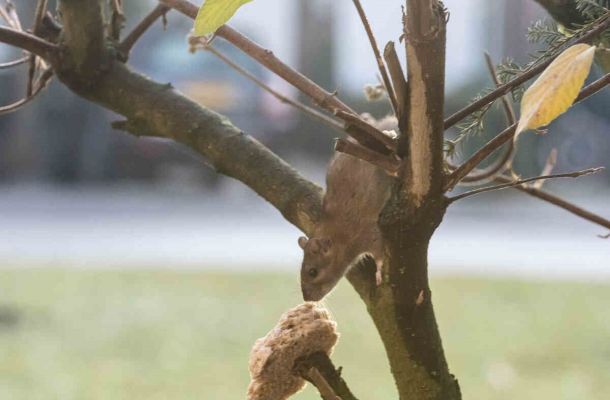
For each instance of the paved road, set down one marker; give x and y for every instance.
(143, 228)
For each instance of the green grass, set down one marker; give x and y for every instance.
(166, 335)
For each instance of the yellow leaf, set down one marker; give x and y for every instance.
(215, 13)
(557, 88)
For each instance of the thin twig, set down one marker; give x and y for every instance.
(40, 84)
(549, 166)
(487, 174)
(283, 99)
(323, 98)
(523, 181)
(9, 14)
(559, 202)
(356, 121)
(380, 64)
(602, 24)
(508, 134)
(331, 375)
(14, 63)
(388, 163)
(137, 32)
(28, 42)
(41, 10)
(320, 382)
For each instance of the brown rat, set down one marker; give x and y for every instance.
(356, 191)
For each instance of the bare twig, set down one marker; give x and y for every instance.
(325, 368)
(38, 86)
(602, 24)
(137, 32)
(508, 134)
(14, 63)
(41, 10)
(559, 202)
(549, 166)
(282, 98)
(117, 19)
(380, 64)
(29, 43)
(388, 163)
(523, 181)
(398, 81)
(363, 126)
(9, 14)
(323, 98)
(477, 177)
(323, 386)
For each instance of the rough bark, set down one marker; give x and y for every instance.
(401, 306)
(94, 72)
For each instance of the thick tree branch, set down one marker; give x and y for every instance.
(154, 109)
(30, 43)
(521, 182)
(422, 143)
(602, 24)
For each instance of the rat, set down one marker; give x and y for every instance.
(356, 192)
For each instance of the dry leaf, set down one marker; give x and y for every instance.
(557, 88)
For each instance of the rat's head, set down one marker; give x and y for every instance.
(318, 277)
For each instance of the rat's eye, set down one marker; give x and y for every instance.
(312, 272)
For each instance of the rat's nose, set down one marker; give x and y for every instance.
(309, 295)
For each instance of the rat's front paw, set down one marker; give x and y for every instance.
(379, 273)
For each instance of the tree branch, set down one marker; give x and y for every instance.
(324, 99)
(559, 202)
(326, 377)
(399, 82)
(388, 163)
(14, 63)
(29, 42)
(380, 64)
(137, 32)
(508, 134)
(421, 146)
(477, 177)
(602, 24)
(312, 112)
(523, 181)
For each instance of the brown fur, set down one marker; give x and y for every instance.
(355, 194)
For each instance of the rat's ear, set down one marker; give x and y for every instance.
(325, 244)
(303, 242)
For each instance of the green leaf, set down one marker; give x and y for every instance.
(215, 13)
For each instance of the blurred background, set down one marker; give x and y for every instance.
(119, 274)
